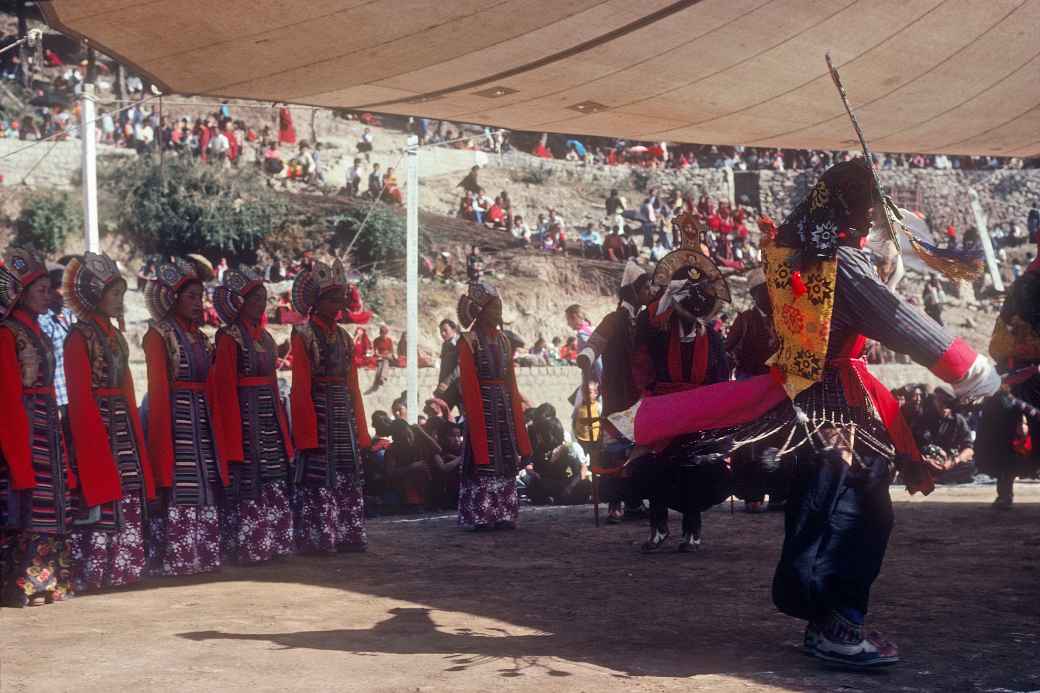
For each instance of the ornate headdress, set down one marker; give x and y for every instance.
(473, 301)
(309, 286)
(822, 221)
(170, 277)
(20, 268)
(229, 297)
(86, 279)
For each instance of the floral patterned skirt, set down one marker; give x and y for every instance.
(34, 565)
(485, 500)
(184, 540)
(258, 529)
(110, 558)
(330, 519)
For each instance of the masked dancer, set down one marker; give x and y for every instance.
(678, 349)
(831, 419)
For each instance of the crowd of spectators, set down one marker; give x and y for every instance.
(606, 152)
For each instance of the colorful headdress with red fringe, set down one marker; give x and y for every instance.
(86, 279)
(309, 286)
(20, 268)
(229, 297)
(170, 277)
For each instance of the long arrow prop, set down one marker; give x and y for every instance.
(867, 156)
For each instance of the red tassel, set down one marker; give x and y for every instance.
(797, 285)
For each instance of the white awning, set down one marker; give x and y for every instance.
(953, 76)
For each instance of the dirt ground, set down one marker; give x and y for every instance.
(555, 605)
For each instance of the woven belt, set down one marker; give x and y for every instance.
(108, 392)
(257, 381)
(188, 385)
(331, 380)
(46, 391)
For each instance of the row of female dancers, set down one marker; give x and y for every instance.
(97, 496)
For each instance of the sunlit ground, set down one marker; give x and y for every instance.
(554, 605)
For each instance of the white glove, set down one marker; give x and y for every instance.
(981, 380)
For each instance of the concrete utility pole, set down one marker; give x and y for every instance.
(23, 49)
(412, 277)
(88, 137)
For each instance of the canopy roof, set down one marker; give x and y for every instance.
(954, 76)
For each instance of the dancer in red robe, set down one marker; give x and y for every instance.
(35, 480)
(496, 437)
(329, 425)
(250, 425)
(111, 459)
(184, 532)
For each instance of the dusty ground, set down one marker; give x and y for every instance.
(555, 605)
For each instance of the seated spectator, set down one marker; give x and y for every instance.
(444, 467)
(383, 352)
(425, 357)
(591, 241)
(273, 164)
(443, 267)
(520, 230)
(481, 206)
(540, 349)
(375, 182)
(408, 464)
(391, 193)
(945, 439)
(496, 216)
(363, 354)
(617, 248)
(284, 313)
(562, 478)
(355, 312)
(376, 487)
(209, 313)
(569, 351)
(554, 239)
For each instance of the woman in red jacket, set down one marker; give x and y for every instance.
(496, 437)
(110, 456)
(184, 535)
(34, 477)
(329, 425)
(250, 424)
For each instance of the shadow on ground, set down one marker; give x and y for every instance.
(957, 592)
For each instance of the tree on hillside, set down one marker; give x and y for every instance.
(184, 207)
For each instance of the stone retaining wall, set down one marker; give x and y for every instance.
(49, 164)
(942, 195)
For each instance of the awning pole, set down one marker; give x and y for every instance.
(89, 155)
(412, 276)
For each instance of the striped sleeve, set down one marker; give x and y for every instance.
(863, 304)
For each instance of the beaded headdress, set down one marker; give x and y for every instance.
(20, 268)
